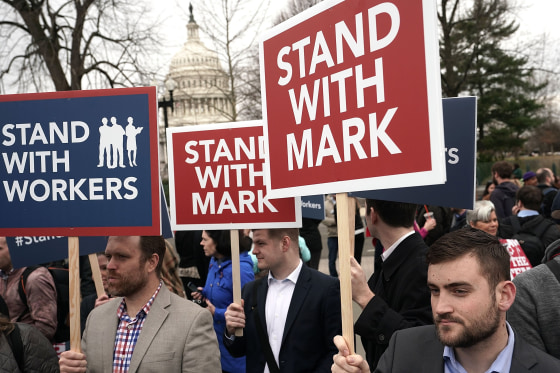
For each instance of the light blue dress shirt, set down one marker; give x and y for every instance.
(502, 363)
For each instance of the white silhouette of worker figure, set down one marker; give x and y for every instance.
(104, 143)
(117, 133)
(131, 133)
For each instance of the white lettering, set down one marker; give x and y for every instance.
(356, 44)
(283, 80)
(353, 140)
(393, 12)
(327, 147)
(310, 105)
(378, 133)
(321, 53)
(306, 150)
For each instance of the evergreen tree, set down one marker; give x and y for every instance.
(475, 62)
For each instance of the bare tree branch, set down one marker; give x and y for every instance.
(70, 40)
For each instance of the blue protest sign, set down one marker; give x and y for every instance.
(80, 163)
(313, 207)
(459, 120)
(27, 250)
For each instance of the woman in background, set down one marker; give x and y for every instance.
(218, 291)
(488, 189)
(484, 217)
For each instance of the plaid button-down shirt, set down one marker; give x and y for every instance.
(128, 332)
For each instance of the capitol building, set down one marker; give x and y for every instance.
(200, 86)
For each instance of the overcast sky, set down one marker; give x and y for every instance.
(540, 16)
(536, 18)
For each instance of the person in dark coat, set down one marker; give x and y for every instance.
(503, 196)
(471, 292)
(396, 296)
(310, 233)
(295, 310)
(37, 353)
(193, 264)
(529, 222)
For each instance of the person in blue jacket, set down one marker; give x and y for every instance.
(218, 290)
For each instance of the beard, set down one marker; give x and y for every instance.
(127, 284)
(481, 329)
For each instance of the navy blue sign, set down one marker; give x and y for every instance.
(79, 163)
(313, 207)
(32, 250)
(459, 120)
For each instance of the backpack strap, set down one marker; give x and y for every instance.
(554, 267)
(270, 360)
(16, 344)
(21, 288)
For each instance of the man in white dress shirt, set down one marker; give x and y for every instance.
(291, 316)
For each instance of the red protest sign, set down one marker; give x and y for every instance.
(351, 98)
(216, 179)
(518, 259)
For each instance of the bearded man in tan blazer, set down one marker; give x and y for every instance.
(146, 328)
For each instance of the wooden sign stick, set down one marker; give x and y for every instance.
(96, 274)
(236, 272)
(74, 289)
(345, 225)
(352, 222)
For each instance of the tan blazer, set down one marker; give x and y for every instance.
(177, 336)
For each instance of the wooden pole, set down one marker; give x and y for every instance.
(96, 274)
(345, 226)
(352, 222)
(74, 289)
(236, 272)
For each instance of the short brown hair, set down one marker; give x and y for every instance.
(492, 256)
(278, 233)
(503, 168)
(530, 196)
(150, 245)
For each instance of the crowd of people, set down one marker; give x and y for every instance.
(453, 290)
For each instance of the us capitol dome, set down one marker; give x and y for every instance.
(202, 86)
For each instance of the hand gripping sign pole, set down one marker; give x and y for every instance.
(345, 215)
(74, 289)
(236, 272)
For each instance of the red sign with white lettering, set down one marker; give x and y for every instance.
(352, 98)
(518, 259)
(216, 179)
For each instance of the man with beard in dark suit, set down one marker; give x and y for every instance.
(471, 292)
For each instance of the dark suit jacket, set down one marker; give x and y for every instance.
(313, 320)
(402, 297)
(418, 350)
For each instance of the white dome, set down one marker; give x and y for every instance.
(194, 54)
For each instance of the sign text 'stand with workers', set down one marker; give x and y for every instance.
(351, 95)
(79, 163)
